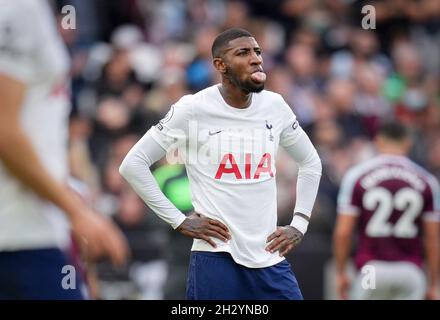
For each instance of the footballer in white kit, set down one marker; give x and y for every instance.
(231, 167)
(230, 157)
(25, 26)
(34, 111)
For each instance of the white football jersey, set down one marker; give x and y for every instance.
(32, 51)
(230, 156)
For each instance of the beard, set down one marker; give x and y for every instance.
(246, 86)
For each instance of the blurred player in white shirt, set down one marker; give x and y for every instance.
(34, 109)
(230, 135)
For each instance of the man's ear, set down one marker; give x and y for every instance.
(219, 64)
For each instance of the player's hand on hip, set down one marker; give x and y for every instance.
(98, 236)
(284, 239)
(343, 284)
(200, 227)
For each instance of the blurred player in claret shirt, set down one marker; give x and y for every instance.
(34, 110)
(394, 203)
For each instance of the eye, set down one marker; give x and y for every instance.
(243, 53)
(258, 52)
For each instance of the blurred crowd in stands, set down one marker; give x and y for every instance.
(132, 59)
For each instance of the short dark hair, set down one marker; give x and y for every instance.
(223, 39)
(394, 130)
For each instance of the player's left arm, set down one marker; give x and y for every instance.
(342, 237)
(298, 145)
(431, 231)
(432, 249)
(349, 209)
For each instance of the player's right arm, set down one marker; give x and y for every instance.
(342, 236)
(153, 146)
(432, 248)
(431, 232)
(344, 229)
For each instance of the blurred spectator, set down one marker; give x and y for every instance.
(200, 72)
(363, 50)
(302, 62)
(340, 94)
(368, 101)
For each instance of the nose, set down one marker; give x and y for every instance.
(256, 59)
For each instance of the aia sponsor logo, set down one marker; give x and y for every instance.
(228, 165)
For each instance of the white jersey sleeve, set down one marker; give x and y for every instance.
(298, 145)
(290, 133)
(172, 130)
(346, 202)
(136, 170)
(17, 45)
(169, 134)
(309, 175)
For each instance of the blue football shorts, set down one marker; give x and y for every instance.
(38, 275)
(216, 276)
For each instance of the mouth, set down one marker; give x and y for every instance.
(258, 76)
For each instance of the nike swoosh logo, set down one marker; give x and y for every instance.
(211, 133)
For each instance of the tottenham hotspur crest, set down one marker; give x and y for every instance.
(269, 127)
